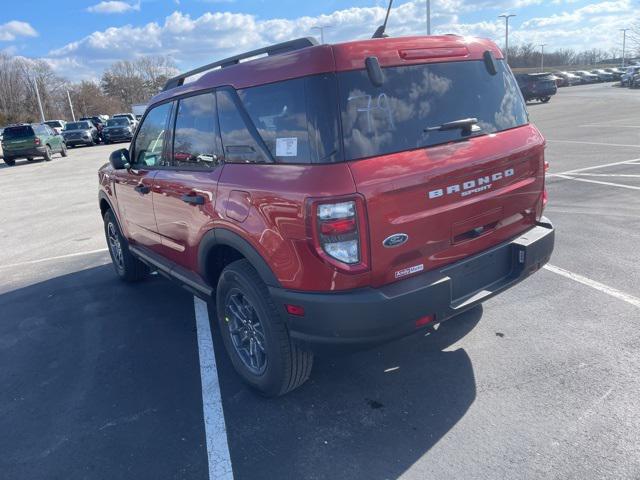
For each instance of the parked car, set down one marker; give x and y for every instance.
(634, 82)
(537, 86)
(569, 78)
(31, 140)
(80, 133)
(118, 129)
(98, 122)
(320, 203)
(132, 118)
(603, 75)
(586, 77)
(56, 125)
(628, 75)
(1, 132)
(616, 72)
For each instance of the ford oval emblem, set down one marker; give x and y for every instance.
(395, 240)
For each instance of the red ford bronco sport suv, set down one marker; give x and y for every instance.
(342, 194)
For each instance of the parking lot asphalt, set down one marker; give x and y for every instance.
(102, 380)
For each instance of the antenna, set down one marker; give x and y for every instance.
(380, 30)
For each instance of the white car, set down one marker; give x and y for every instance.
(56, 125)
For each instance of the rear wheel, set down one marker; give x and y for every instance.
(47, 153)
(63, 152)
(254, 334)
(128, 267)
(545, 99)
(9, 161)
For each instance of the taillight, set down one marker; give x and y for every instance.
(37, 141)
(339, 232)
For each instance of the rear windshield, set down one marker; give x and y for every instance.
(77, 126)
(23, 131)
(117, 122)
(394, 116)
(54, 124)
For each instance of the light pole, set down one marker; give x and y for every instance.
(73, 116)
(542, 45)
(321, 28)
(428, 17)
(624, 42)
(506, 17)
(35, 84)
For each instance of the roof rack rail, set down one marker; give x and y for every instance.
(276, 49)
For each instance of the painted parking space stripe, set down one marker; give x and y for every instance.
(621, 175)
(596, 143)
(612, 125)
(59, 257)
(586, 180)
(214, 425)
(595, 167)
(630, 299)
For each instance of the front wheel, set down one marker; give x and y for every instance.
(545, 99)
(254, 334)
(128, 267)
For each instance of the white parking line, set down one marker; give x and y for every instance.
(59, 257)
(595, 143)
(610, 125)
(635, 301)
(214, 426)
(623, 175)
(595, 167)
(619, 185)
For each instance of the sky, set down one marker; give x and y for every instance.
(82, 38)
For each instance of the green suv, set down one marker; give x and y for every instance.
(30, 141)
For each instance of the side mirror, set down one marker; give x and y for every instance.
(119, 159)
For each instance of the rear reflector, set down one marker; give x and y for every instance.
(295, 310)
(424, 320)
(338, 227)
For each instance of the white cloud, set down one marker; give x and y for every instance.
(192, 41)
(11, 30)
(113, 6)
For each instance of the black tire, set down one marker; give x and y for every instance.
(47, 153)
(9, 161)
(286, 365)
(545, 99)
(30, 159)
(63, 152)
(128, 267)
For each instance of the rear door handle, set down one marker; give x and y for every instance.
(143, 189)
(193, 199)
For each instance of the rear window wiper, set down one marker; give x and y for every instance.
(467, 125)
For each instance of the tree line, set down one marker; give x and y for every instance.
(529, 55)
(122, 84)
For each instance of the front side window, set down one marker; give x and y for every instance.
(404, 113)
(149, 144)
(196, 132)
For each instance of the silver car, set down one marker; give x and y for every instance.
(80, 133)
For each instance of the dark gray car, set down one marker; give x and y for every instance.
(80, 133)
(118, 129)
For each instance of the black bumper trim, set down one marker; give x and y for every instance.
(374, 315)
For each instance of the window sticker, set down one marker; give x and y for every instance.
(286, 147)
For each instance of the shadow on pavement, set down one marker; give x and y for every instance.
(370, 415)
(100, 379)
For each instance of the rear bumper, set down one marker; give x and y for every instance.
(370, 315)
(24, 152)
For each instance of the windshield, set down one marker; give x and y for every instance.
(53, 124)
(23, 131)
(118, 122)
(394, 116)
(77, 126)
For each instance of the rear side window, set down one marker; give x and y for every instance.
(240, 146)
(13, 133)
(279, 113)
(148, 148)
(394, 116)
(196, 132)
